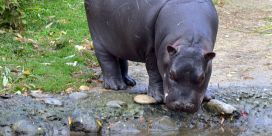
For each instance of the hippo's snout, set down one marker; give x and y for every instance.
(182, 106)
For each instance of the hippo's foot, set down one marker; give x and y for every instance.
(156, 93)
(114, 84)
(129, 81)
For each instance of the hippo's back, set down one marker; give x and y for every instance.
(124, 27)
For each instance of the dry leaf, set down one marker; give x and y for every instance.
(84, 88)
(26, 72)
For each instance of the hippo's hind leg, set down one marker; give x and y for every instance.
(124, 70)
(155, 87)
(110, 67)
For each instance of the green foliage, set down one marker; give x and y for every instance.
(11, 14)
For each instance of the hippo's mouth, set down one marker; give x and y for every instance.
(180, 106)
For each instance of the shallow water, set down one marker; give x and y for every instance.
(254, 103)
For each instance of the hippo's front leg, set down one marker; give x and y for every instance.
(155, 87)
(110, 67)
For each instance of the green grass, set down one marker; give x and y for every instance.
(219, 2)
(266, 29)
(57, 26)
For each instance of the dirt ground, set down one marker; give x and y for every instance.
(244, 56)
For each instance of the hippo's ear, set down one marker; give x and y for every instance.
(209, 56)
(172, 49)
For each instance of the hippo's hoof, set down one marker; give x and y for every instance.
(114, 84)
(156, 94)
(129, 81)
(207, 98)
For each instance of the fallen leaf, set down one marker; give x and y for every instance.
(5, 81)
(72, 63)
(69, 90)
(79, 47)
(49, 25)
(222, 121)
(244, 113)
(248, 78)
(99, 123)
(19, 35)
(70, 56)
(84, 88)
(46, 64)
(2, 32)
(70, 120)
(26, 72)
(22, 39)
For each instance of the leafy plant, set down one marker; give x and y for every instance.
(11, 14)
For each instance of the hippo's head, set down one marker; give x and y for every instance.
(186, 77)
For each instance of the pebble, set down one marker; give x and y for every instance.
(84, 88)
(6, 131)
(25, 127)
(83, 122)
(52, 101)
(124, 128)
(144, 99)
(78, 96)
(116, 104)
(6, 96)
(39, 94)
(219, 107)
(163, 124)
(59, 131)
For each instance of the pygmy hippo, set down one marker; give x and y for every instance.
(175, 38)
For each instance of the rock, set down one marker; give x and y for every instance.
(25, 127)
(164, 124)
(144, 99)
(39, 94)
(84, 88)
(6, 96)
(124, 128)
(52, 101)
(78, 96)
(6, 131)
(116, 104)
(219, 107)
(18, 93)
(83, 122)
(59, 131)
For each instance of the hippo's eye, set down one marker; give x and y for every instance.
(201, 78)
